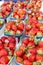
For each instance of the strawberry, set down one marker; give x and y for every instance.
(39, 58)
(20, 26)
(19, 53)
(3, 38)
(14, 27)
(19, 59)
(40, 43)
(11, 39)
(4, 60)
(25, 57)
(1, 46)
(26, 62)
(3, 52)
(11, 45)
(25, 41)
(30, 50)
(28, 27)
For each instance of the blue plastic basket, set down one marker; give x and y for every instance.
(40, 21)
(17, 36)
(17, 63)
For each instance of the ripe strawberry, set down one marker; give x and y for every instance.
(25, 41)
(19, 59)
(11, 45)
(39, 58)
(0, 41)
(14, 27)
(20, 26)
(4, 60)
(25, 57)
(31, 57)
(27, 62)
(40, 43)
(30, 50)
(19, 53)
(1, 46)
(3, 38)
(3, 52)
(11, 39)
(28, 27)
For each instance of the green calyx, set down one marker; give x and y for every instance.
(18, 32)
(39, 34)
(8, 32)
(36, 63)
(39, 52)
(10, 54)
(17, 16)
(28, 55)
(26, 49)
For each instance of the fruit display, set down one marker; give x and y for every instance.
(15, 28)
(29, 53)
(5, 9)
(19, 14)
(34, 28)
(1, 23)
(34, 4)
(7, 47)
(21, 37)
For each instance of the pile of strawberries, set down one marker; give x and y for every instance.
(37, 15)
(26, 19)
(34, 5)
(20, 5)
(34, 28)
(5, 9)
(30, 52)
(14, 27)
(7, 47)
(19, 13)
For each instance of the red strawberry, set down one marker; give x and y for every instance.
(39, 58)
(3, 38)
(14, 27)
(31, 40)
(8, 9)
(19, 52)
(22, 47)
(11, 45)
(1, 46)
(25, 41)
(25, 57)
(30, 50)
(4, 60)
(11, 39)
(19, 59)
(3, 52)
(27, 62)
(6, 45)
(0, 41)
(28, 27)
(20, 26)
(31, 57)
(40, 43)
(31, 44)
